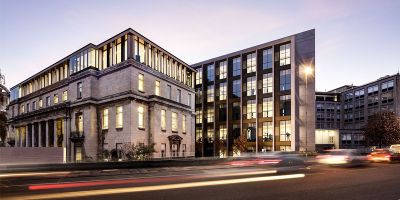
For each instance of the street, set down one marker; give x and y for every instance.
(375, 181)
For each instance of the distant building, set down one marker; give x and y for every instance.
(125, 90)
(4, 100)
(262, 92)
(357, 103)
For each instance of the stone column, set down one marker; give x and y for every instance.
(33, 134)
(27, 135)
(55, 133)
(47, 133)
(66, 136)
(40, 134)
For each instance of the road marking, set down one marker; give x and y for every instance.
(154, 188)
(9, 175)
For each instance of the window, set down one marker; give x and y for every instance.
(285, 80)
(267, 107)
(163, 150)
(222, 70)
(210, 73)
(210, 114)
(236, 88)
(140, 82)
(210, 134)
(27, 107)
(386, 86)
(178, 95)
(267, 59)
(359, 93)
(222, 112)
(267, 83)
(174, 123)
(236, 67)
(163, 120)
(222, 132)
(141, 117)
(251, 63)
(285, 130)
(47, 101)
(199, 116)
(267, 131)
(119, 117)
(284, 54)
(284, 106)
(236, 111)
(22, 109)
(34, 105)
(105, 119)
(184, 123)
(79, 95)
(157, 88)
(251, 86)
(346, 138)
(222, 91)
(169, 91)
(40, 103)
(251, 109)
(210, 93)
(65, 96)
(55, 99)
(79, 123)
(199, 135)
(189, 100)
(199, 76)
(373, 89)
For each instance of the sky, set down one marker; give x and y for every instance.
(357, 41)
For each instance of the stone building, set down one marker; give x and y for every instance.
(125, 90)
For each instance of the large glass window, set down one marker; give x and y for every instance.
(285, 130)
(267, 83)
(251, 109)
(236, 67)
(267, 107)
(251, 63)
(199, 76)
(174, 122)
(251, 86)
(199, 135)
(222, 132)
(141, 82)
(236, 89)
(119, 117)
(222, 91)
(199, 116)
(267, 131)
(163, 120)
(210, 134)
(284, 106)
(284, 54)
(210, 73)
(105, 119)
(140, 117)
(285, 80)
(267, 58)
(236, 111)
(373, 89)
(210, 114)
(222, 69)
(210, 93)
(386, 86)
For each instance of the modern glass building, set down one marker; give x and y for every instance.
(265, 92)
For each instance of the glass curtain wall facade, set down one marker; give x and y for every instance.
(248, 92)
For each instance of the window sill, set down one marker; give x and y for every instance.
(141, 128)
(174, 131)
(119, 129)
(163, 130)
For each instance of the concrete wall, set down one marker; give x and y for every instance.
(37, 155)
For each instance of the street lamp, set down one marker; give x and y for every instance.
(307, 71)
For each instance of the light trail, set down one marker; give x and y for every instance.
(153, 188)
(11, 175)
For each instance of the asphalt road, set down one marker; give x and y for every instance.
(377, 181)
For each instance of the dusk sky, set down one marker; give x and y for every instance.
(356, 41)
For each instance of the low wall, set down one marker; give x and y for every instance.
(30, 155)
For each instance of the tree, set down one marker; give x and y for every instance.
(138, 152)
(3, 126)
(382, 129)
(240, 144)
(221, 145)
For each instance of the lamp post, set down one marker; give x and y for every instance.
(307, 71)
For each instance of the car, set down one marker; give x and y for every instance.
(383, 155)
(342, 157)
(395, 148)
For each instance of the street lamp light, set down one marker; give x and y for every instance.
(307, 71)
